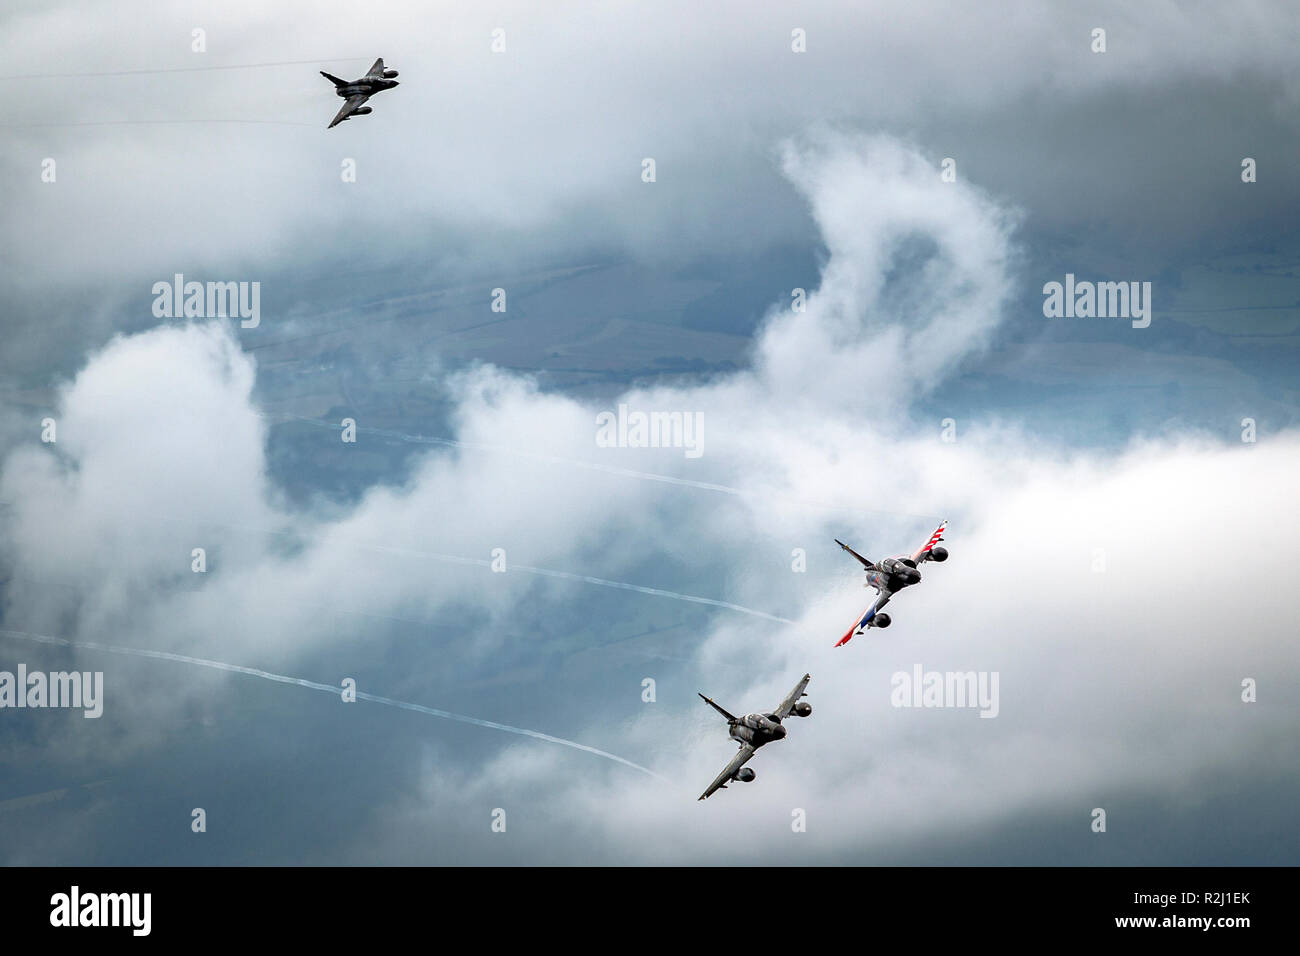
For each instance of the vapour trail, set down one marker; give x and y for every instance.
(182, 69)
(162, 122)
(592, 466)
(657, 592)
(324, 688)
(151, 122)
(571, 576)
(484, 563)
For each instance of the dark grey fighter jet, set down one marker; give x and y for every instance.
(891, 575)
(754, 730)
(358, 91)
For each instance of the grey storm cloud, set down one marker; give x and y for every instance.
(1119, 677)
(480, 152)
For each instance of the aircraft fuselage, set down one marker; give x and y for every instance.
(366, 86)
(757, 729)
(894, 575)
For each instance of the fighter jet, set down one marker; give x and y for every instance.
(890, 576)
(358, 91)
(753, 731)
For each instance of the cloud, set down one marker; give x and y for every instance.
(1128, 677)
(917, 272)
(485, 152)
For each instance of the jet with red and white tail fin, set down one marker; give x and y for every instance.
(891, 575)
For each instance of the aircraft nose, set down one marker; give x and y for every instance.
(780, 731)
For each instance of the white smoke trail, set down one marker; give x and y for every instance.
(325, 688)
(485, 563)
(184, 69)
(657, 592)
(584, 578)
(755, 496)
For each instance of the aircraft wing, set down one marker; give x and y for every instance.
(871, 612)
(349, 107)
(865, 563)
(710, 702)
(792, 698)
(738, 761)
(923, 553)
(378, 69)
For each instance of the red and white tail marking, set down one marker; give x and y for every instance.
(935, 538)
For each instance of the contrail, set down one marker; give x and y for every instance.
(657, 592)
(162, 122)
(571, 576)
(324, 688)
(592, 466)
(181, 69)
(485, 563)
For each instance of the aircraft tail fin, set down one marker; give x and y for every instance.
(334, 79)
(923, 553)
(709, 701)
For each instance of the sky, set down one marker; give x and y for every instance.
(526, 613)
